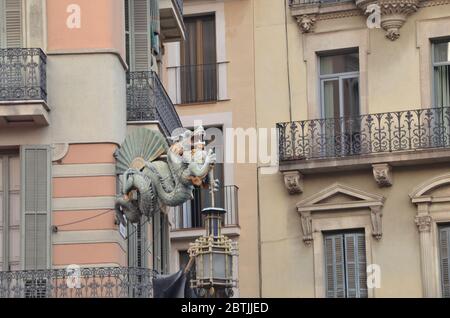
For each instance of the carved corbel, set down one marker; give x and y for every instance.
(306, 221)
(423, 223)
(293, 180)
(382, 174)
(306, 23)
(393, 13)
(375, 218)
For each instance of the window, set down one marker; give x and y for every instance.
(198, 71)
(444, 246)
(184, 261)
(138, 248)
(339, 92)
(10, 23)
(441, 71)
(9, 212)
(339, 82)
(141, 33)
(345, 265)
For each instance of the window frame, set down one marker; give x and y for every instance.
(337, 76)
(434, 65)
(5, 237)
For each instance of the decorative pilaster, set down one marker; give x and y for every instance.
(375, 219)
(306, 227)
(293, 181)
(424, 223)
(382, 174)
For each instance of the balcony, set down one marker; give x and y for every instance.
(398, 138)
(188, 220)
(147, 101)
(114, 282)
(23, 90)
(171, 16)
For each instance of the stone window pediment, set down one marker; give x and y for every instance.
(340, 197)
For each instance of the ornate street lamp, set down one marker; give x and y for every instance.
(214, 256)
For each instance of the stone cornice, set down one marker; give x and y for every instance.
(393, 12)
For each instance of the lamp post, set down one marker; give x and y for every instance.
(214, 255)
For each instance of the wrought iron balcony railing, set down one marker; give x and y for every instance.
(111, 282)
(188, 216)
(23, 74)
(365, 134)
(147, 100)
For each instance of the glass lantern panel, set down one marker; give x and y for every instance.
(219, 271)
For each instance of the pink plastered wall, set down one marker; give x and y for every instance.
(102, 26)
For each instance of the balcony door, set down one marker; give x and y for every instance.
(340, 102)
(198, 70)
(9, 212)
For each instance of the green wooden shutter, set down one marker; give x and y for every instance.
(11, 23)
(141, 35)
(355, 265)
(444, 238)
(157, 261)
(165, 244)
(334, 266)
(36, 178)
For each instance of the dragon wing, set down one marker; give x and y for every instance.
(140, 145)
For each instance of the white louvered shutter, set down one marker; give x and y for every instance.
(444, 244)
(355, 265)
(36, 169)
(334, 266)
(10, 23)
(141, 35)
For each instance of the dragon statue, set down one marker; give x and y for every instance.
(154, 174)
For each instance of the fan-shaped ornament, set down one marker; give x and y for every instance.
(140, 146)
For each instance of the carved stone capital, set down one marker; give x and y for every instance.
(306, 23)
(423, 223)
(375, 219)
(306, 221)
(382, 174)
(293, 180)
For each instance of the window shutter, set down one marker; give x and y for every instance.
(157, 242)
(36, 193)
(444, 237)
(141, 35)
(355, 257)
(13, 23)
(334, 266)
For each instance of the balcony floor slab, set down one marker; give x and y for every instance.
(24, 113)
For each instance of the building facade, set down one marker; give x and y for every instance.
(359, 207)
(74, 78)
(209, 77)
